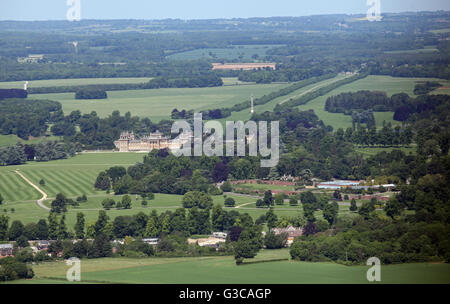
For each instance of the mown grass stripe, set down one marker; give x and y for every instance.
(80, 185)
(14, 186)
(37, 175)
(84, 179)
(70, 187)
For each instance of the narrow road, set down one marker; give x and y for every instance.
(44, 195)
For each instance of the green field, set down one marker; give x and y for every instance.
(71, 82)
(426, 49)
(241, 52)
(366, 152)
(158, 104)
(388, 84)
(223, 270)
(8, 140)
(441, 31)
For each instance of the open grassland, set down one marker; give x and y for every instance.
(228, 81)
(442, 90)
(159, 103)
(367, 152)
(426, 49)
(91, 81)
(223, 270)
(8, 140)
(241, 52)
(388, 84)
(73, 176)
(441, 31)
(71, 82)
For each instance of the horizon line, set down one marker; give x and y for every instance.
(223, 18)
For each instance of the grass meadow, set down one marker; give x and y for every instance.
(71, 82)
(367, 152)
(157, 104)
(11, 139)
(223, 270)
(76, 176)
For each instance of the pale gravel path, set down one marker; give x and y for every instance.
(44, 195)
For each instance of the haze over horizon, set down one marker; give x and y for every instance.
(29, 10)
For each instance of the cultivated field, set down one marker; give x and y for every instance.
(158, 104)
(71, 82)
(223, 270)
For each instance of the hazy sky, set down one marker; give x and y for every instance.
(201, 9)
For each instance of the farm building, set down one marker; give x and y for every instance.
(220, 235)
(151, 241)
(291, 231)
(210, 241)
(6, 250)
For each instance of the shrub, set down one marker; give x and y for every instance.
(273, 241)
(293, 202)
(230, 202)
(108, 203)
(226, 187)
(279, 200)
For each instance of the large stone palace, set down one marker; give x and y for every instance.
(128, 142)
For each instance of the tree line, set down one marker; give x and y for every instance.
(26, 118)
(45, 151)
(12, 93)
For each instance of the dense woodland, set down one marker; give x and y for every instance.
(26, 118)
